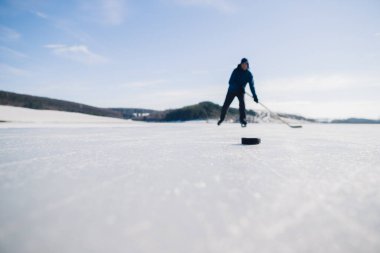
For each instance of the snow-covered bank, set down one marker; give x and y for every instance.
(190, 188)
(26, 115)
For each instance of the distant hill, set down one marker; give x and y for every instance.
(355, 121)
(201, 111)
(43, 103)
(132, 113)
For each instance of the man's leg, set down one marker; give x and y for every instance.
(227, 102)
(242, 108)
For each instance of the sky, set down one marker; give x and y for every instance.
(317, 58)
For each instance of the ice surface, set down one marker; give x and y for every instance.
(189, 187)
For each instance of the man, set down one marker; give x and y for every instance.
(238, 80)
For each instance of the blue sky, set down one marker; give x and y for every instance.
(314, 58)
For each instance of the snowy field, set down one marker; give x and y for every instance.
(189, 187)
(26, 115)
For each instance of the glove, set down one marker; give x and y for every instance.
(256, 99)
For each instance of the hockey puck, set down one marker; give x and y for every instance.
(250, 141)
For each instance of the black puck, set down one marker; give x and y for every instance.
(250, 141)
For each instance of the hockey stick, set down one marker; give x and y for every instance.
(276, 115)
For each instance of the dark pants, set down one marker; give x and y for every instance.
(229, 98)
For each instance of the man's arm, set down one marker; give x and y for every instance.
(232, 78)
(252, 87)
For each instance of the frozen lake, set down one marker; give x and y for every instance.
(189, 187)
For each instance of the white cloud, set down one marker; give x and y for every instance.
(114, 11)
(377, 34)
(10, 70)
(8, 34)
(11, 53)
(41, 14)
(108, 12)
(318, 83)
(324, 96)
(66, 24)
(221, 5)
(79, 53)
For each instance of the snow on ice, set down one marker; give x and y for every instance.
(189, 187)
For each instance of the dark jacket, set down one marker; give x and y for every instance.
(239, 79)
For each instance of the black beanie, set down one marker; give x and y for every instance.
(244, 60)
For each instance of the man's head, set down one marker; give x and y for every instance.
(244, 64)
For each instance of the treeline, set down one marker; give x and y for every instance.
(201, 111)
(43, 103)
(356, 121)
